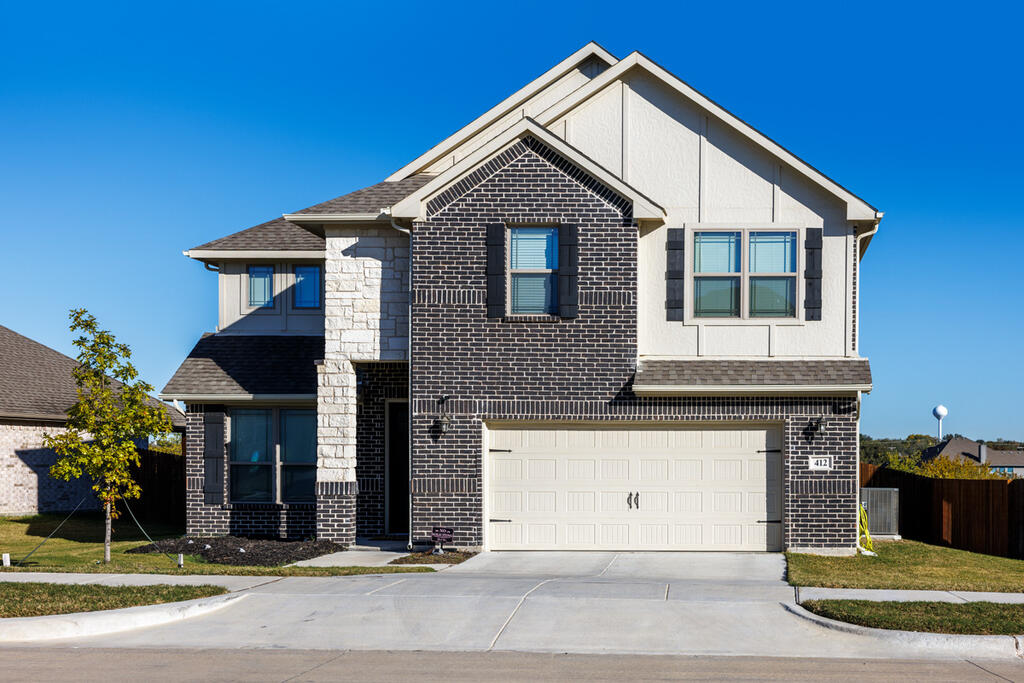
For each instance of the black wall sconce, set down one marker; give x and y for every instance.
(814, 426)
(444, 423)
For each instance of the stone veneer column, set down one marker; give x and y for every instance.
(366, 319)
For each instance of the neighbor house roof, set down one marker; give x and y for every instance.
(223, 367)
(679, 377)
(36, 381)
(966, 450)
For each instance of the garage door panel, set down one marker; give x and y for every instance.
(698, 488)
(581, 470)
(654, 470)
(689, 470)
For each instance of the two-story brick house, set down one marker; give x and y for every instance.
(607, 314)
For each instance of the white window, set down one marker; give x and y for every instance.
(533, 270)
(273, 455)
(744, 274)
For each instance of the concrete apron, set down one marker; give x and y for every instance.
(622, 603)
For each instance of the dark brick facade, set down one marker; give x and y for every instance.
(341, 508)
(376, 383)
(214, 514)
(547, 368)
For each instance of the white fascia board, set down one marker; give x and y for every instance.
(217, 254)
(414, 206)
(226, 398)
(747, 389)
(591, 49)
(856, 208)
(319, 218)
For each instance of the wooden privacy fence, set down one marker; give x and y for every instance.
(980, 515)
(162, 478)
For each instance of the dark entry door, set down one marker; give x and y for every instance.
(397, 467)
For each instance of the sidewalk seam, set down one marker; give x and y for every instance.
(515, 610)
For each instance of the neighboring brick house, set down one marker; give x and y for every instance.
(607, 314)
(978, 453)
(36, 390)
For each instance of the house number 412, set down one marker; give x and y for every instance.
(820, 462)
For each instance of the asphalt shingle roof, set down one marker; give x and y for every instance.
(36, 381)
(966, 450)
(223, 364)
(753, 372)
(275, 235)
(282, 235)
(372, 198)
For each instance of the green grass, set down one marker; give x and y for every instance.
(78, 547)
(909, 565)
(38, 599)
(971, 618)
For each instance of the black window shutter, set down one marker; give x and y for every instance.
(568, 271)
(675, 270)
(213, 457)
(495, 270)
(812, 274)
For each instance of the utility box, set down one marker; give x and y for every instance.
(883, 506)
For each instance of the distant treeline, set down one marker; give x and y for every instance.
(875, 451)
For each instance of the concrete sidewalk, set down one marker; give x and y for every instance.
(812, 593)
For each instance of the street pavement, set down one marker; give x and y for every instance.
(156, 665)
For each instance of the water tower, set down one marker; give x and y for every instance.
(940, 412)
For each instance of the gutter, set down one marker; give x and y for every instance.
(224, 398)
(747, 389)
(408, 373)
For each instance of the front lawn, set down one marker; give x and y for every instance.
(78, 547)
(909, 565)
(971, 618)
(38, 599)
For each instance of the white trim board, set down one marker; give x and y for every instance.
(514, 100)
(414, 206)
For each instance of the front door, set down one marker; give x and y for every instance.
(396, 448)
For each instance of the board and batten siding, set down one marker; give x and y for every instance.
(706, 175)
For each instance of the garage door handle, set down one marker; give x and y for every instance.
(636, 500)
(629, 500)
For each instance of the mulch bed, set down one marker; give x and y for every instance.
(449, 557)
(229, 550)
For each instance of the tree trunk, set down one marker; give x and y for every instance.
(106, 535)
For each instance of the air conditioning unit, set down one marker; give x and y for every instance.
(883, 506)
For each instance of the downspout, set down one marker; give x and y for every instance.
(860, 253)
(408, 351)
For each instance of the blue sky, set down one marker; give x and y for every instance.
(132, 131)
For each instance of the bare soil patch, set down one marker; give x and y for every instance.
(449, 557)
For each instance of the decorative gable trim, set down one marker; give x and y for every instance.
(510, 145)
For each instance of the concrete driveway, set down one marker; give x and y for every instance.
(627, 603)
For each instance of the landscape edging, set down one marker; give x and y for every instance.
(81, 624)
(947, 643)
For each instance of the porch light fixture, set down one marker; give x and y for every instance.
(814, 426)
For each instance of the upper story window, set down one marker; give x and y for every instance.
(306, 292)
(730, 281)
(273, 455)
(261, 286)
(533, 270)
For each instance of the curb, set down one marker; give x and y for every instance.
(81, 624)
(947, 643)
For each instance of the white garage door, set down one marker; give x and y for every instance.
(641, 488)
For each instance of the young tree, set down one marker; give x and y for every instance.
(111, 414)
